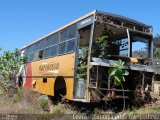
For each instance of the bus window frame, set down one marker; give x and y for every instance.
(76, 45)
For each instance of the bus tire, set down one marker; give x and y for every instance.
(60, 88)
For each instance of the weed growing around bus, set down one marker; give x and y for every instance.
(100, 47)
(117, 74)
(10, 63)
(102, 44)
(156, 53)
(99, 50)
(82, 67)
(43, 103)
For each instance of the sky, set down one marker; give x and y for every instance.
(23, 21)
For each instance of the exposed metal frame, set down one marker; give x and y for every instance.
(89, 59)
(128, 20)
(129, 54)
(124, 18)
(129, 30)
(76, 61)
(129, 43)
(151, 49)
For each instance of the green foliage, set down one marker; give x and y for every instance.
(43, 103)
(1, 93)
(100, 46)
(58, 110)
(10, 63)
(82, 67)
(16, 98)
(156, 53)
(98, 50)
(117, 73)
(156, 43)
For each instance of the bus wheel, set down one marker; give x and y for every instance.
(60, 89)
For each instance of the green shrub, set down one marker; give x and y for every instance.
(58, 110)
(10, 63)
(1, 92)
(16, 98)
(43, 103)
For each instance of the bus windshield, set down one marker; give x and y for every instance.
(119, 43)
(139, 47)
(118, 47)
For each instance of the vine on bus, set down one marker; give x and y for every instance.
(10, 63)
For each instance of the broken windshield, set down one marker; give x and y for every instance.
(116, 41)
(139, 47)
(118, 47)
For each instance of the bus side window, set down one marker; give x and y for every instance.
(41, 54)
(42, 44)
(55, 39)
(29, 57)
(53, 51)
(62, 48)
(48, 41)
(70, 45)
(72, 32)
(47, 53)
(64, 35)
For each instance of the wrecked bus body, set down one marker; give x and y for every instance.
(68, 62)
(130, 41)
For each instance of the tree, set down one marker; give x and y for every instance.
(10, 63)
(117, 73)
(156, 43)
(98, 50)
(156, 40)
(102, 44)
(156, 53)
(99, 47)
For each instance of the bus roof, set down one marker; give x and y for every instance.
(86, 16)
(124, 18)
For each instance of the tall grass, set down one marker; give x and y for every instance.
(20, 101)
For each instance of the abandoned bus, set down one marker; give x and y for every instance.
(68, 62)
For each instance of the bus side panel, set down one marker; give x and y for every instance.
(46, 71)
(44, 87)
(48, 88)
(69, 87)
(28, 81)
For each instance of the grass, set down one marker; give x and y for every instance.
(24, 101)
(43, 103)
(19, 102)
